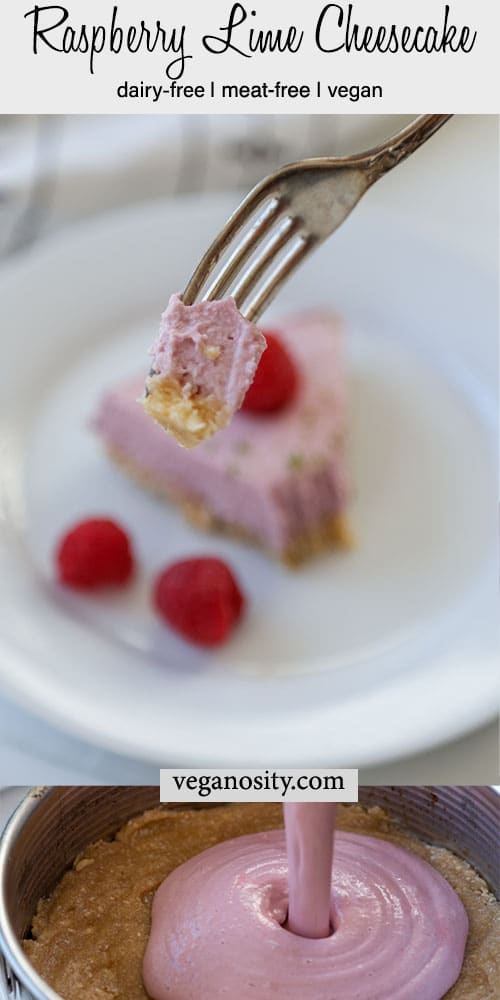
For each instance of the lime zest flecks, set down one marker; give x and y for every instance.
(242, 447)
(295, 462)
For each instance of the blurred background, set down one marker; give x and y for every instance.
(56, 170)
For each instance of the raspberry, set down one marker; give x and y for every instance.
(94, 553)
(275, 381)
(200, 598)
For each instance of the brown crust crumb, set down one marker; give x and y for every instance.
(190, 418)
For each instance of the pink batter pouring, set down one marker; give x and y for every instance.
(245, 920)
(309, 840)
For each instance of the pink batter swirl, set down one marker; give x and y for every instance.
(400, 929)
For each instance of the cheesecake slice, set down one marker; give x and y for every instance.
(203, 362)
(279, 479)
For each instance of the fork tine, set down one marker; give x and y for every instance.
(234, 224)
(243, 251)
(255, 272)
(277, 277)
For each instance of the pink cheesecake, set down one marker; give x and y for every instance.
(203, 362)
(278, 480)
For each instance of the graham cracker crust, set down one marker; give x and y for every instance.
(334, 532)
(89, 936)
(190, 418)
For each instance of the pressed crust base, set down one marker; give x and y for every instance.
(190, 419)
(334, 532)
(90, 935)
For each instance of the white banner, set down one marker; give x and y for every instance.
(269, 785)
(367, 56)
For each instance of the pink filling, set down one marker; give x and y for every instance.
(218, 927)
(209, 348)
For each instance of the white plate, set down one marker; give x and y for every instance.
(355, 659)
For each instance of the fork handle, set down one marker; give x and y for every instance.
(381, 159)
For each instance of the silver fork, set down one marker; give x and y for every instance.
(293, 211)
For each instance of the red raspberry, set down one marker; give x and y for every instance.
(200, 598)
(95, 553)
(275, 381)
